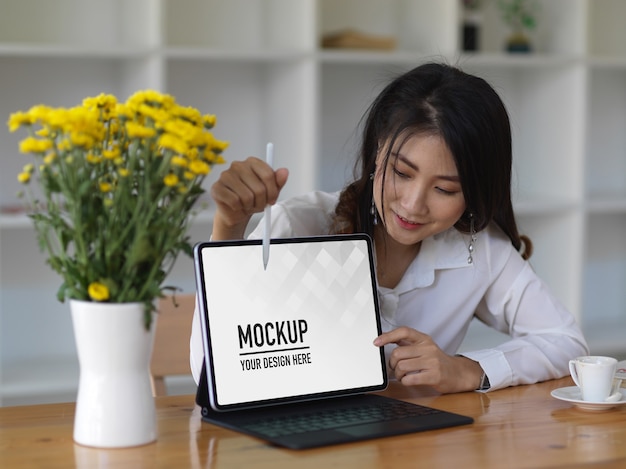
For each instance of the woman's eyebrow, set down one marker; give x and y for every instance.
(414, 167)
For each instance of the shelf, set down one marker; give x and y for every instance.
(608, 63)
(234, 55)
(499, 60)
(32, 380)
(23, 221)
(18, 221)
(615, 204)
(343, 56)
(71, 51)
(520, 61)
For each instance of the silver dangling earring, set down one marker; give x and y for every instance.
(373, 211)
(470, 248)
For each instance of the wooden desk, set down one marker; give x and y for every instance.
(516, 427)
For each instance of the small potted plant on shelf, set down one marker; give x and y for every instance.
(111, 193)
(521, 17)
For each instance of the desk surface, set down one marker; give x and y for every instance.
(515, 427)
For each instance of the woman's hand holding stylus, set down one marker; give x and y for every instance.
(241, 191)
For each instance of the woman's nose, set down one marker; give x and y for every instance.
(415, 201)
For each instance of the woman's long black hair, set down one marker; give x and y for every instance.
(439, 99)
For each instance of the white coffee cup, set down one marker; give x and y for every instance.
(594, 377)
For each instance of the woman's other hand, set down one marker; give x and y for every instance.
(241, 191)
(417, 360)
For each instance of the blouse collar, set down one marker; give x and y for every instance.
(446, 250)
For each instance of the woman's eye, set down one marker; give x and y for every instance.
(400, 173)
(444, 191)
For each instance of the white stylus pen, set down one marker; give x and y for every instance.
(269, 159)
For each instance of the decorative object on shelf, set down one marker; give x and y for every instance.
(114, 406)
(521, 17)
(352, 39)
(117, 183)
(472, 20)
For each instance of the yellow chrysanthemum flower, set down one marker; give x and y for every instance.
(105, 187)
(154, 113)
(199, 167)
(81, 140)
(53, 118)
(39, 113)
(114, 127)
(150, 96)
(212, 157)
(219, 146)
(24, 177)
(189, 175)
(123, 172)
(209, 155)
(179, 161)
(93, 159)
(43, 133)
(18, 119)
(102, 101)
(64, 145)
(28, 168)
(170, 180)
(135, 130)
(181, 128)
(209, 121)
(111, 154)
(35, 145)
(49, 158)
(98, 291)
(193, 153)
(209, 142)
(124, 112)
(172, 142)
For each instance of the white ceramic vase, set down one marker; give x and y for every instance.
(114, 407)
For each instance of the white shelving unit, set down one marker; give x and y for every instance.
(258, 65)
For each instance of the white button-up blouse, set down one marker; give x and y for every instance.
(441, 293)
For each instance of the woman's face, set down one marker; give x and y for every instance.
(422, 193)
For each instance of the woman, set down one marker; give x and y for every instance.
(433, 191)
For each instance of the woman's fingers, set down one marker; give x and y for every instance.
(248, 186)
(242, 190)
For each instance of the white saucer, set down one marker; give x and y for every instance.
(572, 394)
(621, 370)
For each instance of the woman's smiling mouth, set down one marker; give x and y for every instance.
(406, 223)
